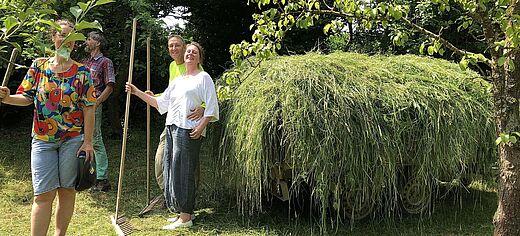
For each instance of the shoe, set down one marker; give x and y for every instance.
(101, 185)
(178, 224)
(177, 217)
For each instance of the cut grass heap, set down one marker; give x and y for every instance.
(364, 132)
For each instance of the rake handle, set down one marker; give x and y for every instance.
(148, 122)
(9, 70)
(125, 127)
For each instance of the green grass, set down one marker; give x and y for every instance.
(466, 213)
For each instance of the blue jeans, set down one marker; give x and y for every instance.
(181, 161)
(54, 164)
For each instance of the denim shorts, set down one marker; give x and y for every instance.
(54, 164)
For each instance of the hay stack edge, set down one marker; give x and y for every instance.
(360, 135)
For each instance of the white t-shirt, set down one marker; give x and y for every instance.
(183, 95)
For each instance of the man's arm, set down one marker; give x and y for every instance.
(104, 95)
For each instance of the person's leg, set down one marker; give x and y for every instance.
(45, 180)
(185, 164)
(159, 160)
(68, 163)
(188, 176)
(168, 156)
(41, 213)
(100, 153)
(185, 161)
(64, 209)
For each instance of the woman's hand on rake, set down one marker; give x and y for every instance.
(4, 92)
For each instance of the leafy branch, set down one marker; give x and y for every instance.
(27, 20)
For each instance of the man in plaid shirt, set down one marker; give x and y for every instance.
(102, 73)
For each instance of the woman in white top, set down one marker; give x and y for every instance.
(183, 140)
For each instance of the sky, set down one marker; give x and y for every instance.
(171, 21)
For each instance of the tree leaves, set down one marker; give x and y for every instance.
(102, 2)
(83, 6)
(501, 61)
(51, 24)
(507, 138)
(9, 23)
(63, 52)
(89, 25)
(76, 11)
(30, 21)
(74, 37)
(463, 64)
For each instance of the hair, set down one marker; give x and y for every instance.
(201, 51)
(61, 22)
(98, 37)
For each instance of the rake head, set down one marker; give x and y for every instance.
(156, 202)
(122, 225)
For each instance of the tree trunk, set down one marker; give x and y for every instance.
(506, 93)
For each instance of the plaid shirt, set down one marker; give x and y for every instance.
(101, 71)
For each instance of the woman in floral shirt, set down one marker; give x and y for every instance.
(63, 97)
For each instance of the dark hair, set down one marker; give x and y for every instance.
(61, 22)
(201, 50)
(98, 37)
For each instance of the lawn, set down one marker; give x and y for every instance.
(459, 212)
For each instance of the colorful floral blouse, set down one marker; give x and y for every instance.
(58, 99)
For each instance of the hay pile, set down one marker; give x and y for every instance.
(352, 123)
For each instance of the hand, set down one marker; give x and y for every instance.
(4, 92)
(196, 133)
(130, 88)
(89, 151)
(149, 92)
(196, 113)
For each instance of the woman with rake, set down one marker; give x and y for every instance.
(62, 93)
(184, 136)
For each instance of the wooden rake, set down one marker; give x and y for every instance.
(9, 70)
(121, 224)
(150, 202)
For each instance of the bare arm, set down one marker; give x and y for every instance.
(104, 95)
(88, 130)
(16, 100)
(130, 88)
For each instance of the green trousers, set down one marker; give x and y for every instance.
(99, 147)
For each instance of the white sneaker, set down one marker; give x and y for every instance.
(177, 217)
(178, 224)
